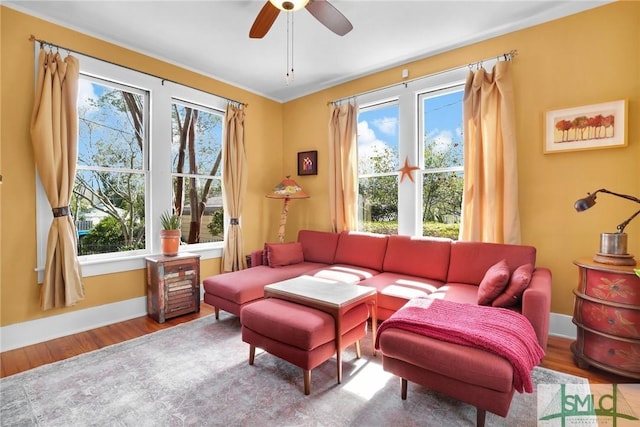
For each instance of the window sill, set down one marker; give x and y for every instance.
(98, 267)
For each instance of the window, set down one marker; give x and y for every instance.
(133, 166)
(108, 201)
(420, 123)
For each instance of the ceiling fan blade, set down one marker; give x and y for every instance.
(329, 16)
(264, 21)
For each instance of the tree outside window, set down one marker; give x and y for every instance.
(196, 148)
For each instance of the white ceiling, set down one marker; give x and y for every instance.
(212, 37)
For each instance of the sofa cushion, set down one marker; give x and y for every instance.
(483, 368)
(361, 249)
(281, 254)
(493, 283)
(517, 284)
(247, 285)
(418, 256)
(318, 246)
(457, 292)
(470, 260)
(343, 273)
(297, 325)
(395, 289)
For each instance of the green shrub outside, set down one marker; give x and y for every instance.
(431, 229)
(216, 226)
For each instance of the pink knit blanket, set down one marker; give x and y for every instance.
(503, 332)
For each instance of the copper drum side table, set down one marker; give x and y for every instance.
(607, 316)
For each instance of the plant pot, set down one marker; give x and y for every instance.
(170, 241)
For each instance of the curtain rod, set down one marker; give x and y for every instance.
(162, 79)
(508, 56)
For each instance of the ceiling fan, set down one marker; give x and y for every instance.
(322, 10)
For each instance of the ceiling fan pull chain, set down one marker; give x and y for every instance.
(292, 39)
(289, 73)
(286, 78)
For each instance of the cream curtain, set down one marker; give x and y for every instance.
(490, 198)
(343, 166)
(54, 135)
(234, 176)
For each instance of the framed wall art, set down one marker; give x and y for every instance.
(307, 163)
(588, 127)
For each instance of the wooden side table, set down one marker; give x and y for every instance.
(607, 315)
(173, 285)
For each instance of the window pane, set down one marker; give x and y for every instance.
(378, 139)
(108, 200)
(442, 202)
(196, 148)
(443, 163)
(443, 130)
(196, 141)
(205, 223)
(377, 163)
(109, 211)
(111, 130)
(378, 204)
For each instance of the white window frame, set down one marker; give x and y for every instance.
(159, 185)
(410, 134)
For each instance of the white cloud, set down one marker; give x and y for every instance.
(366, 135)
(368, 143)
(387, 125)
(85, 92)
(442, 139)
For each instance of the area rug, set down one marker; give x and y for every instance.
(197, 374)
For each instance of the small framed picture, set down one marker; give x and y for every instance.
(586, 128)
(307, 163)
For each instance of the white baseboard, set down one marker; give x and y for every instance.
(48, 328)
(562, 325)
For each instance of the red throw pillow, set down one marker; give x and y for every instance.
(513, 293)
(281, 254)
(493, 283)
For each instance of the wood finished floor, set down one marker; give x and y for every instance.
(558, 358)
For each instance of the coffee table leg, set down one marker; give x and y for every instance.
(338, 320)
(374, 324)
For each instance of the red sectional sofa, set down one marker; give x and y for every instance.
(399, 267)
(402, 268)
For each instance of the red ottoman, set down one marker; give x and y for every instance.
(298, 334)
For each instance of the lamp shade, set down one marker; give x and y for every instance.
(287, 189)
(584, 204)
(290, 5)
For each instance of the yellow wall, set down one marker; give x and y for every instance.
(19, 291)
(586, 58)
(583, 59)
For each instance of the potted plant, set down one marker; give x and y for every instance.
(170, 234)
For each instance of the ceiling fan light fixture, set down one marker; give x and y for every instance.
(289, 5)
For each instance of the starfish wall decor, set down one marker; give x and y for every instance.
(407, 170)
